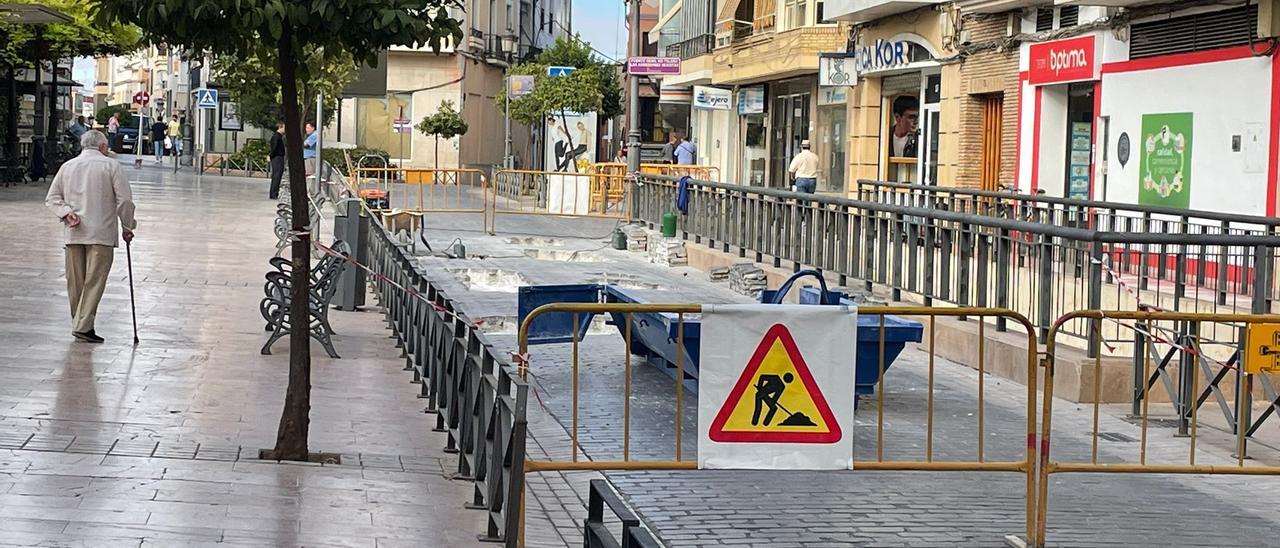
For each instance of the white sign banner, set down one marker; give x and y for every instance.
(776, 387)
(837, 70)
(711, 98)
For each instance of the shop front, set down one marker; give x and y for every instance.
(899, 108)
(791, 124)
(713, 132)
(833, 118)
(1064, 79)
(752, 167)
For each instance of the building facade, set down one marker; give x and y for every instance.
(1178, 106)
(496, 35)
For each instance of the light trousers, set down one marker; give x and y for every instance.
(88, 267)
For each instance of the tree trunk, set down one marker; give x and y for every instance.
(437, 155)
(291, 438)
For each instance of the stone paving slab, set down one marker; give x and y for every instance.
(155, 445)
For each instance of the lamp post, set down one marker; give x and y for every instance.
(633, 99)
(509, 49)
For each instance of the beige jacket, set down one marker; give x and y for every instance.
(95, 188)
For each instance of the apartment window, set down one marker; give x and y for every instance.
(510, 17)
(795, 13)
(374, 119)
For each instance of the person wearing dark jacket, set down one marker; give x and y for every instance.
(276, 156)
(157, 138)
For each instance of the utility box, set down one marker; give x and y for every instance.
(351, 225)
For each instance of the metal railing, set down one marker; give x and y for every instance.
(1202, 362)
(478, 398)
(595, 531)
(1038, 269)
(693, 47)
(998, 446)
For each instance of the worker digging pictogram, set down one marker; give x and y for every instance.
(783, 404)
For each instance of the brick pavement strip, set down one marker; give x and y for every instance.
(112, 445)
(860, 508)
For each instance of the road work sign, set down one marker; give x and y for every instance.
(776, 387)
(1262, 345)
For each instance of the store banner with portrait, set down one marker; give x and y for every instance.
(1165, 160)
(570, 147)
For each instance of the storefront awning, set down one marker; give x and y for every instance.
(662, 22)
(728, 11)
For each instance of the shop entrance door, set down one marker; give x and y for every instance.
(790, 127)
(1079, 141)
(992, 120)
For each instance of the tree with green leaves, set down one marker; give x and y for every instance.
(104, 114)
(446, 123)
(253, 82)
(237, 29)
(20, 44)
(592, 87)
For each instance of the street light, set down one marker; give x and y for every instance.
(508, 44)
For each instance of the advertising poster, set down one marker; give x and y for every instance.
(1078, 170)
(570, 149)
(1165, 160)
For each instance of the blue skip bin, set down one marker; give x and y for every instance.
(654, 336)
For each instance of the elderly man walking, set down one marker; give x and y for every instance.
(91, 196)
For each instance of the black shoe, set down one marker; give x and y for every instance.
(273, 197)
(88, 336)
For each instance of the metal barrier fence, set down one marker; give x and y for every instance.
(1201, 363)
(427, 190)
(1180, 269)
(561, 194)
(939, 255)
(596, 533)
(706, 173)
(478, 398)
(1013, 449)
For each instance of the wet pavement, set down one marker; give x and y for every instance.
(155, 445)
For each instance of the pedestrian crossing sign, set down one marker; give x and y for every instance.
(206, 98)
(776, 399)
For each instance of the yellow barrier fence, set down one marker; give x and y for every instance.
(563, 194)
(415, 191)
(1179, 363)
(895, 444)
(703, 173)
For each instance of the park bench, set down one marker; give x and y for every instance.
(279, 296)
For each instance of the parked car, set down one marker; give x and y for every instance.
(127, 138)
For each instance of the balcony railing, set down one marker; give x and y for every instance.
(693, 47)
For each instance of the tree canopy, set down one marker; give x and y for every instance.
(446, 123)
(593, 86)
(254, 83)
(82, 37)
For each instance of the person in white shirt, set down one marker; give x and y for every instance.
(91, 196)
(804, 167)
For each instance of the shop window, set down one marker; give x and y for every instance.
(374, 118)
(1199, 32)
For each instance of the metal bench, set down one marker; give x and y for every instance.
(279, 296)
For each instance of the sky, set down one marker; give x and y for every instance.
(601, 23)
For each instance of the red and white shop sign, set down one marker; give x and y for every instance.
(1070, 60)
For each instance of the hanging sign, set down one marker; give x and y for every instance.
(776, 388)
(836, 69)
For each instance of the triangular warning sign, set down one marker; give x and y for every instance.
(776, 399)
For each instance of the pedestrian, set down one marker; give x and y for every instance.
(276, 158)
(174, 133)
(309, 149)
(686, 152)
(804, 167)
(77, 129)
(113, 128)
(669, 149)
(158, 130)
(91, 196)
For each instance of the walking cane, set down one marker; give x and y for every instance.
(133, 305)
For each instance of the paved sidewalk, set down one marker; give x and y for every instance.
(112, 445)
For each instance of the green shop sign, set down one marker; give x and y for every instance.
(1166, 160)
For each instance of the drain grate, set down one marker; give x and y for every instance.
(1153, 422)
